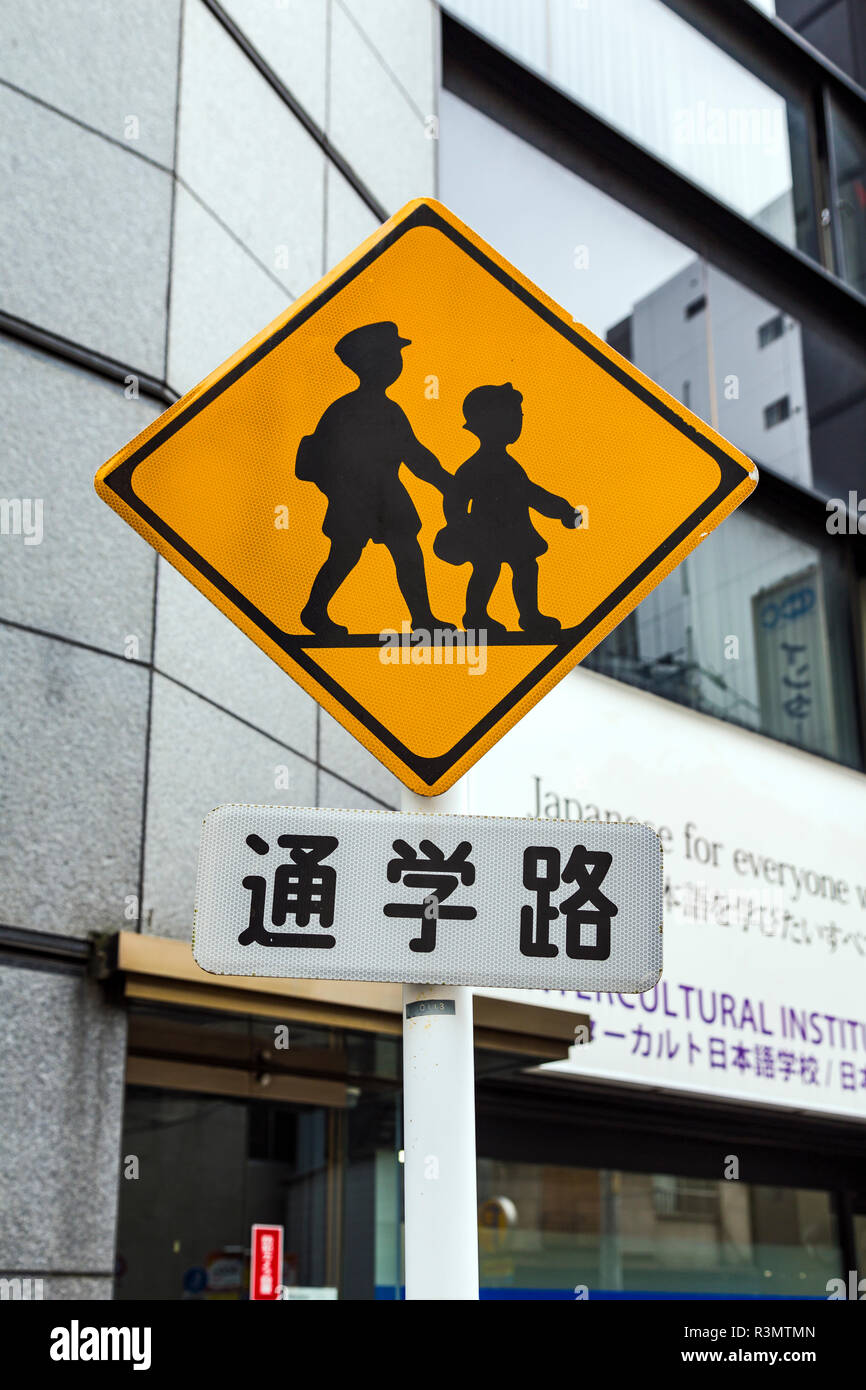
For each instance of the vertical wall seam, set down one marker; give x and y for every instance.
(173, 213)
(326, 183)
(148, 728)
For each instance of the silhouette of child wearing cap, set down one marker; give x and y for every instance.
(354, 457)
(487, 514)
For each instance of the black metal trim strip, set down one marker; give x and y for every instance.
(23, 943)
(109, 367)
(632, 1106)
(297, 110)
(810, 1149)
(766, 44)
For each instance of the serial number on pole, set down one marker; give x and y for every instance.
(492, 901)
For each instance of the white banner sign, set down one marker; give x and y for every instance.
(764, 990)
(322, 894)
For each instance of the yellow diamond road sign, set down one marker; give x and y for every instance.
(426, 492)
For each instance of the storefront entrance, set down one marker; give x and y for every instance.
(199, 1170)
(582, 1192)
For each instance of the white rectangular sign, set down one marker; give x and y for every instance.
(764, 993)
(312, 893)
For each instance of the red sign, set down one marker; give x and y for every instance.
(266, 1273)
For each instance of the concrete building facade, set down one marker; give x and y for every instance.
(174, 174)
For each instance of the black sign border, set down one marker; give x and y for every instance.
(429, 770)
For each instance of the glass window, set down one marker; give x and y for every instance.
(207, 1168)
(771, 330)
(390, 1230)
(675, 315)
(787, 396)
(552, 1231)
(776, 412)
(749, 628)
(236, 1147)
(790, 400)
(645, 70)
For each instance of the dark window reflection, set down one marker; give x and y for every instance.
(849, 159)
(208, 1167)
(750, 628)
(556, 1230)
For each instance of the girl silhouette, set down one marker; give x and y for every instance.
(487, 514)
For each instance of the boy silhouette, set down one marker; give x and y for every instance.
(354, 457)
(487, 514)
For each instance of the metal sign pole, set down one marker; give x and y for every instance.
(344, 874)
(441, 1203)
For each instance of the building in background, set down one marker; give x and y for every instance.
(688, 179)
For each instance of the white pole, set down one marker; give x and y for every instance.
(441, 1203)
